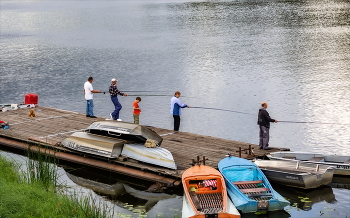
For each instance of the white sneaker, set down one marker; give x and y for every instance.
(110, 116)
(119, 119)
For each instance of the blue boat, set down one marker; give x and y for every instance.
(248, 188)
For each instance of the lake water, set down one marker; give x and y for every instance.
(228, 55)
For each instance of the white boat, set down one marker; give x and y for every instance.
(158, 156)
(296, 174)
(113, 147)
(341, 163)
(94, 144)
(124, 130)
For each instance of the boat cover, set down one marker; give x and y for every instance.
(124, 130)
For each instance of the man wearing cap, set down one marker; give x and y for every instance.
(264, 120)
(114, 92)
(88, 91)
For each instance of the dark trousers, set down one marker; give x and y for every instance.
(176, 122)
(264, 137)
(117, 107)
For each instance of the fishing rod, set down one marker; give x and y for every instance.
(161, 96)
(218, 109)
(144, 91)
(152, 95)
(278, 121)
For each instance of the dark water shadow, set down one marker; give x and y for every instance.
(119, 189)
(305, 198)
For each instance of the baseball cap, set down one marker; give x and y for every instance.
(114, 79)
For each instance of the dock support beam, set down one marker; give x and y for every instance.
(91, 162)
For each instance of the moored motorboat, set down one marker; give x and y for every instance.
(248, 188)
(205, 194)
(341, 163)
(157, 155)
(296, 174)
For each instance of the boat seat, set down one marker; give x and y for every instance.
(248, 182)
(253, 188)
(347, 162)
(317, 159)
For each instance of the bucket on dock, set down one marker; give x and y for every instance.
(31, 99)
(14, 106)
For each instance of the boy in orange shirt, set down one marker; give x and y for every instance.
(137, 110)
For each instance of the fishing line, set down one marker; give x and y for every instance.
(313, 122)
(254, 115)
(218, 109)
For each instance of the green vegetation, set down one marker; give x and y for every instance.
(35, 194)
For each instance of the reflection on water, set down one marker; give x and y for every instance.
(124, 191)
(340, 182)
(225, 54)
(305, 198)
(121, 193)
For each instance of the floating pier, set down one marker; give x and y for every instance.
(50, 127)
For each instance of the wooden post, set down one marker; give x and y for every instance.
(239, 152)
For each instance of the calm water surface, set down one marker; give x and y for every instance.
(220, 54)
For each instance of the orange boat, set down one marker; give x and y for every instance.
(205, 194)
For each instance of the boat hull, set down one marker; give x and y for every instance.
(300, 175)
(341, 163)
(94, 144)
(158, 156)
(241, 174)
(123, 130)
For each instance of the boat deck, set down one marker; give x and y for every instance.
(51, 126)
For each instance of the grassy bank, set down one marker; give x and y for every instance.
(28, 195)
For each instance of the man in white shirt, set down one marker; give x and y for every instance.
(88, 91)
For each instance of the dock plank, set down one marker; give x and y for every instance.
(54, 125)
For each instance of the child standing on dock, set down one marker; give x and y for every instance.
(137, 110)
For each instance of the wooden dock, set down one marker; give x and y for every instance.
(51, 126)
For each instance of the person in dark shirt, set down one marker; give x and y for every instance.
(264, 120)
(114, 92)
